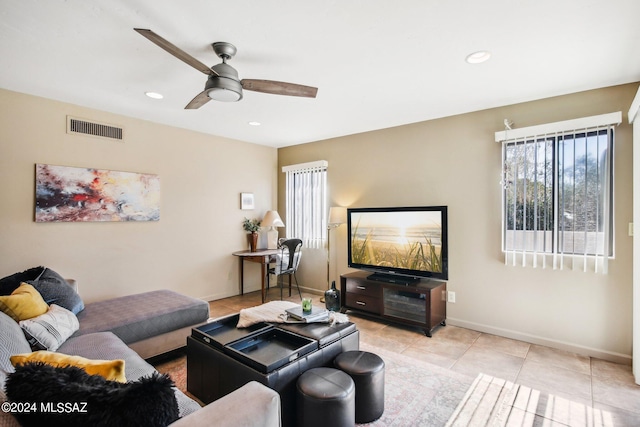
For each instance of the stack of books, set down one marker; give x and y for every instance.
(317, 314)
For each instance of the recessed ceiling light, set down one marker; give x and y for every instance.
(255, 123)
(478, 57)
(154, 95)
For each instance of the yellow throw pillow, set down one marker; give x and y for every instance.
(112, 370)
(23, 303)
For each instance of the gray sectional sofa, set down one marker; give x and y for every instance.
(150, 323)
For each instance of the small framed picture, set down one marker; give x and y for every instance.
(246, 201)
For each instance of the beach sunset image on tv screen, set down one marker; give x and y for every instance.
(407, 240)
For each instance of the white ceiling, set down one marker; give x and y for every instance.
(377, 63)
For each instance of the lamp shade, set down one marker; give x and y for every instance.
(272, 219)
(337, 215)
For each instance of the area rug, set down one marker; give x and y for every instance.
(417, 393)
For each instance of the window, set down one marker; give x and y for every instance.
(558, 194)
(306, 202)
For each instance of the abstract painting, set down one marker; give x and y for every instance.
(69, 194)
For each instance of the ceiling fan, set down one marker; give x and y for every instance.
(223, 83)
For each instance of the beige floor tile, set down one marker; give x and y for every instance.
(503, 345)
(481, 360)
(466, 336)
(385, 342)
(620, 393)
(603, 368)
(366, 323)
(402, 335)
(560, 358)
(618, 417)
(569, 412)
(549, 378)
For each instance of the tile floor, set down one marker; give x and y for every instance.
(593, 382)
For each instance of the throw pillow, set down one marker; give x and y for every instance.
(10, 283)
(273, 311)
(23, 303)
(112, 370)
(49, 330)
(55, 290)
(79, 399)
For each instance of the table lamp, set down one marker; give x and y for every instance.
(272, 219)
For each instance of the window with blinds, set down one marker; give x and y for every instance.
(306, 202)
(558, 193)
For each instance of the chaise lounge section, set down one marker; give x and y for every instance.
(151, 323)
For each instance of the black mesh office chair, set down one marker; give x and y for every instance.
(287, 262)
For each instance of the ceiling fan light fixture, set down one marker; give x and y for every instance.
(154, 95)
(478, 57)
(223, 89)
(223, 83)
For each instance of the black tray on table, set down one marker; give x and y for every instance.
(270, 349)
(223, 331)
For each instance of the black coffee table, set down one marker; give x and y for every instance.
(222, 358)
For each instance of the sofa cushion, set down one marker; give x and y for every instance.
(10, 283)
(105, 345)
(12, 342)
(112, 370)
(93, 400)
(55, 290)
(137, 317)
(49, 330)
(23, 303)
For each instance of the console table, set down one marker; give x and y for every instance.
(421, 304)
(262, 256)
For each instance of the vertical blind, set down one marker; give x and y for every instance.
(306, 202)
(557, 194)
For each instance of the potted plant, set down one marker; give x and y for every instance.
(252, 226)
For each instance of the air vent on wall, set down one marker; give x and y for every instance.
(101, 130)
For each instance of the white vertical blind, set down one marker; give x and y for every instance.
(557, 193)
(634, 118)
(306, 202)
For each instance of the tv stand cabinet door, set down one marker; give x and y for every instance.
(361, 294)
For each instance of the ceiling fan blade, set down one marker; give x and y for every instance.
(175, 51)
(197, 102)
(279, 88)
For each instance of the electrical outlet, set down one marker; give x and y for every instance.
(451, 297)
(630, 229)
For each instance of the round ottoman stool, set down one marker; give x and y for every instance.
(326, 397)
(367, 371)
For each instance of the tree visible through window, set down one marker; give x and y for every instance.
(558, 193)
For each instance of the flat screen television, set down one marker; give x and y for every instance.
(399, 244)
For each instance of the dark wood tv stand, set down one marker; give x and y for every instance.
(423, 304)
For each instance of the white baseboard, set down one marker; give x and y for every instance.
(624, 359)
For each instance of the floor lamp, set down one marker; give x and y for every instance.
(337, 217)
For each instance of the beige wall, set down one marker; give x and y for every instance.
(188, 250)
(454, 161)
